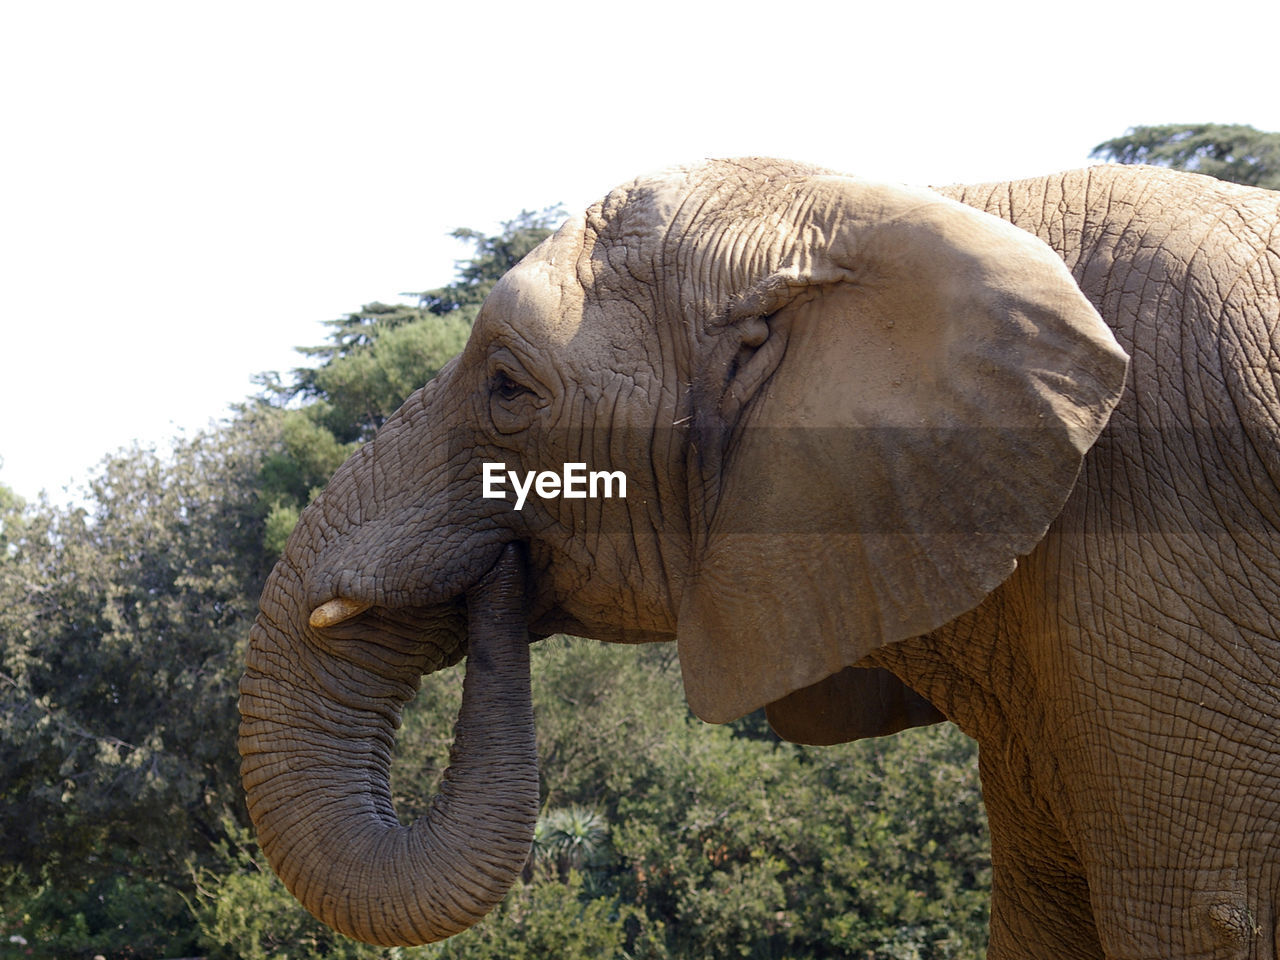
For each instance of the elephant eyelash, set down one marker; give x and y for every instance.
(507, 388)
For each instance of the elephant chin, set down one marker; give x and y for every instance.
(317, 727)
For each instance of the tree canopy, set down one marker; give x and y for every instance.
(375, 357)
(121, 624)
(1234, 152)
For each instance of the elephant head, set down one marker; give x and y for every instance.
(842, 409)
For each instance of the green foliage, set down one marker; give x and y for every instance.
(295, 468)
(723, 841)
(572, 840)
(597, 704)
(118, 631)
(1234, 152)
(244, 912)
(306, 457)
(12, 509)
(375, 359)
(121, 624)
(544, 918)
(123, 915)
(903, 845)
(377, 356)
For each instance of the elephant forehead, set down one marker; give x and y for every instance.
(538, 298)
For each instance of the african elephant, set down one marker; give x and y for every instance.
(885, 462)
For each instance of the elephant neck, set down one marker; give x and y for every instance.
(964, 671)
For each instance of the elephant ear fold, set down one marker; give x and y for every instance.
(850, 705)
(941, 381)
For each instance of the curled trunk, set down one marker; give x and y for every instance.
(316, 733)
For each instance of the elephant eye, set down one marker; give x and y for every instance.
(507, 388)
(512, 405)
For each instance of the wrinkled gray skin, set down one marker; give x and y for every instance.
(852, 418)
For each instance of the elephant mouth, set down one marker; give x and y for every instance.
(434, 631)
(440, 626)
(432, 636)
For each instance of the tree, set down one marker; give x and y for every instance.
(120, 624)
(377, 356)
(12, 508)
(722, 842)
(1234, 152)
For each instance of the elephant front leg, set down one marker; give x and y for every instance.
(1036, 913)
(1199, 896)
(1040, 903)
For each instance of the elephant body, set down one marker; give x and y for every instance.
(1134, 788)
(888, 461)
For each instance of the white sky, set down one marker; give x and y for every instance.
(188, 189)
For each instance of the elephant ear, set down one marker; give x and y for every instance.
(935, 379)
(850, 705)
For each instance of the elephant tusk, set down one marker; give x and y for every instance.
(336, 611)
